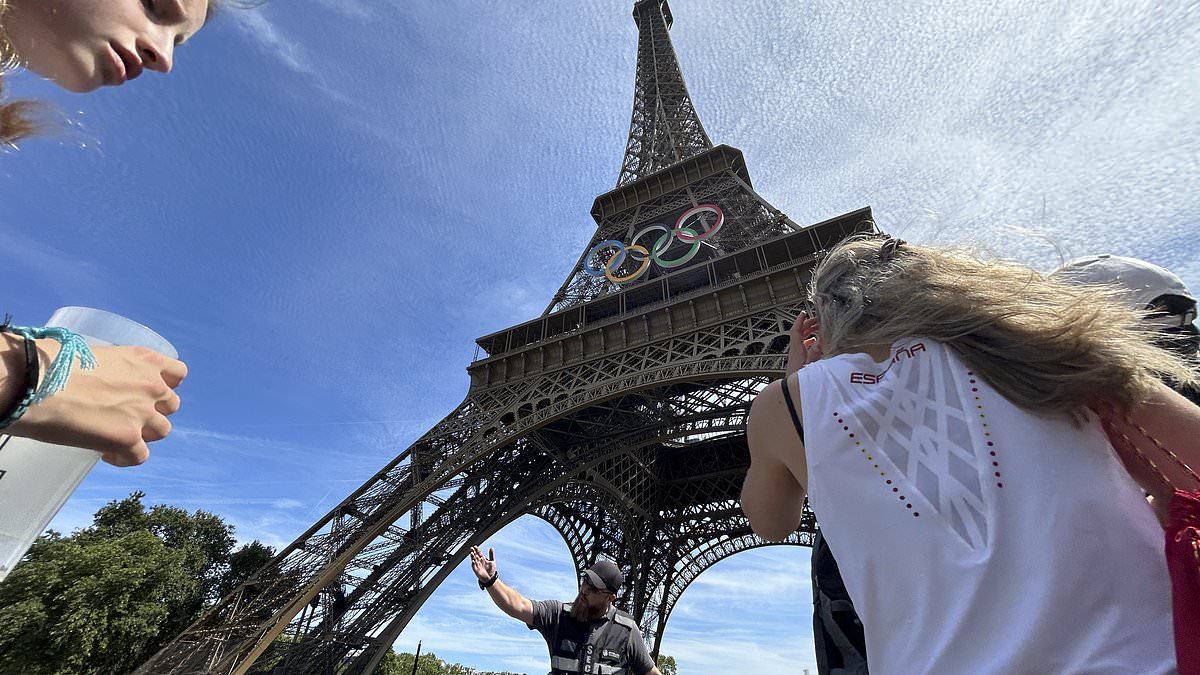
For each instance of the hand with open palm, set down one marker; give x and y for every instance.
(483, 567)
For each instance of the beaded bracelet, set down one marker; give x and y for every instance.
(32, 366)
(72, 346)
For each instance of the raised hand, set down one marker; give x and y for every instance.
(805, 344)
(483, 567)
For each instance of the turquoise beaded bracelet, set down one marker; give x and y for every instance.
(72, 346)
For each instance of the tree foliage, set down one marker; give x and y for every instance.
(430, 664)
(242, 564)
(104, 599)
(666, 665)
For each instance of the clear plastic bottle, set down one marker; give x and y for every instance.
(37, 478)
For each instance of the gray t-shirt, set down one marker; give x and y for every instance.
(616, 647)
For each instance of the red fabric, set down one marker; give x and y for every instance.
(1182, 531)
(1183, 564)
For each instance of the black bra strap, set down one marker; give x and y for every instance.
(787, 396)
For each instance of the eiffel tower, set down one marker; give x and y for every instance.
(618, 416)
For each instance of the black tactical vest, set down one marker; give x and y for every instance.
(581, 649)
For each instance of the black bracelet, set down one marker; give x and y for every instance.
(484, 585)
(32, 374)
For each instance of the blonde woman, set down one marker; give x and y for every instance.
(123, 403)
(936, 414)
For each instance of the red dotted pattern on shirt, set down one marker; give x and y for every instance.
(986, 434)
(871, 460)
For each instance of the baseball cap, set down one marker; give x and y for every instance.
(605, 575)
(1141, 281)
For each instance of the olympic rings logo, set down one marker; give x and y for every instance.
(640, 254)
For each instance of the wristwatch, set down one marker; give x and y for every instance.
(484, 585)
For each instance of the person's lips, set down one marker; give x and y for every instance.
(114, 73)
(131, 64)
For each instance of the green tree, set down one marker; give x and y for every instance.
(104, 599)
(242, 564)
(430, 664)
(89, 609)
(666, 665)
(203, 538)
(392, 665)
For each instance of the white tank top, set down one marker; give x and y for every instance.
(974, 537)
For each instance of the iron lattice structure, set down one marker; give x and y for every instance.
(618, 417)
(665, 128)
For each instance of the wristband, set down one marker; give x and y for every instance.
(484, 585)
(72, 346)
(32, 368)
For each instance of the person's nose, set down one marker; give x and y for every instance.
(156, 52)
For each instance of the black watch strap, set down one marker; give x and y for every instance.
(484, 585)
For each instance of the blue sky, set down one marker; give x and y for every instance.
(329, 200)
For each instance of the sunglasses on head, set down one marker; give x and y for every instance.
(1171, 311)
(1172, 320)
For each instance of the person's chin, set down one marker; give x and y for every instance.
(81, 74)
(76, 73)
(78, 86)
(77, 80)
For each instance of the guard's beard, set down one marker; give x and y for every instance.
(580, 609)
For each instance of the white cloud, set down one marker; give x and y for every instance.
(270, 38)
(255, 24)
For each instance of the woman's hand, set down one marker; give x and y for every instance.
(805, 345)
(115, 408)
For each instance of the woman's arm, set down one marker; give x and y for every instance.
(1172, 420)
(12, 371)
(773, 493)
(114, 409)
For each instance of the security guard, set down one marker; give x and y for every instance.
(588, 636)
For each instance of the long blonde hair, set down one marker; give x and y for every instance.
(1046, 346)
